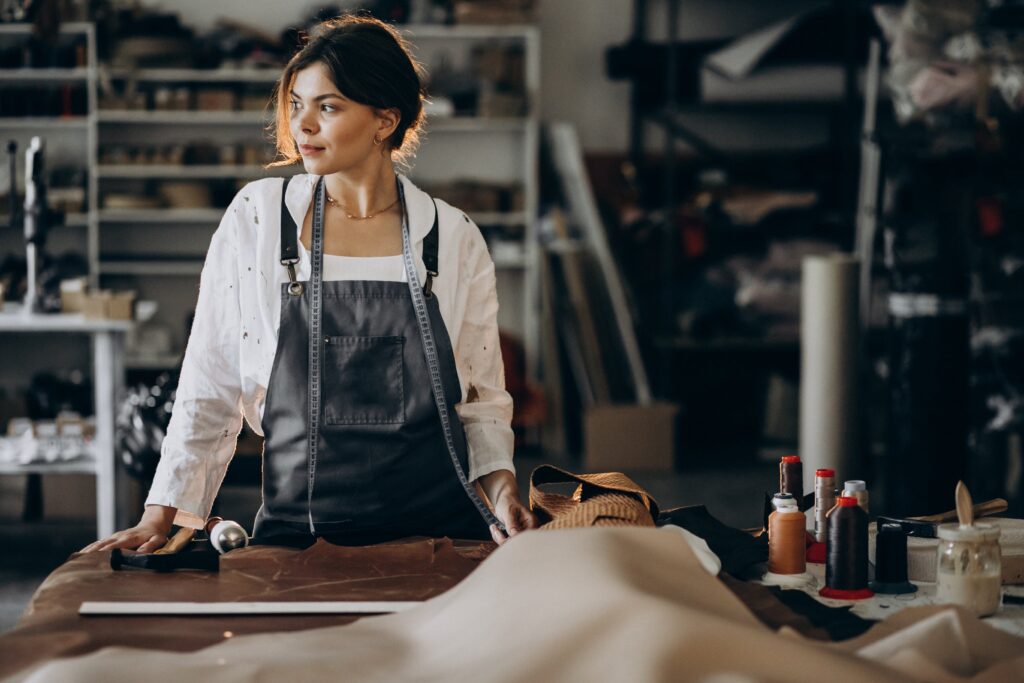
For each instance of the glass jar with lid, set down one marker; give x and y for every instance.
(969, 571)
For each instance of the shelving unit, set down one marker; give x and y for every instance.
(672, 119)
(45, 75)
(503, 150)
(107, 337)
(449, 142)
(184, 118)
(506, 150)
(22, 128)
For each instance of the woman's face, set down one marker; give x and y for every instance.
(333, 133)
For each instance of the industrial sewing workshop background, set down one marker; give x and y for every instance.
(649, 211)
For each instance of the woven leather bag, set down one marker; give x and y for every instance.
(603, 499)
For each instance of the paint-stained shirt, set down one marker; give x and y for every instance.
(231, 349)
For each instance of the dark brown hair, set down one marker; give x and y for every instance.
(370, 63)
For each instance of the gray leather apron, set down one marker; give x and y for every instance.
(378, 463)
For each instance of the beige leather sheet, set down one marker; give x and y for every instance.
(600, 604)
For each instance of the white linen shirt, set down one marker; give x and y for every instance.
(231, 349)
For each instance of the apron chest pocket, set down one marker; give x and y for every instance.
(363, 380)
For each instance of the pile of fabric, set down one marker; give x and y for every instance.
(600, 604)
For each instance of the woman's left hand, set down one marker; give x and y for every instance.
(502, 491)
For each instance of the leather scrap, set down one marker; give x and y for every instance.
(602, 499)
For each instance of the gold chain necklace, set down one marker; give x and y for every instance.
(332, 200)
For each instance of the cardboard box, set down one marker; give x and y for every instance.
(629, 437)
(72, 294)
(109, 305)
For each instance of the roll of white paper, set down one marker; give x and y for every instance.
(830, 339)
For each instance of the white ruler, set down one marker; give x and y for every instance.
(203, 608)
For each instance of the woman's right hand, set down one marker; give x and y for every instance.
(148, 535)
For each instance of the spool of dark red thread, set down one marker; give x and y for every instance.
(846, 552)
(891, 561)
(791, 477)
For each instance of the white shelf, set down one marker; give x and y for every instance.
(43, 122)
(189, 171)
(83, 466)
(453, 124)
(164, 361)
(465, 31)
(71, 220)
(211, 215)
(46, 75)
(183, 268)
(510, 262)
(197, 118)
(498, 217)
(214, 215)
(21, 29)
(228, 75)
(14, 318)
(474, 124)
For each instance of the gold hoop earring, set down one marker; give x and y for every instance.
(376, 141)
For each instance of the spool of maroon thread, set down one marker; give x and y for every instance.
(846, 552)
(791, 478)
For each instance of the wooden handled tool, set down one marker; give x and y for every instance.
(986, 509)
(183, 537)
(925, 525)
(178, 542)
(964, 507)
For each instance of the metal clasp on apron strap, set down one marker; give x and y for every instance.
(295, 288)
(428, 285)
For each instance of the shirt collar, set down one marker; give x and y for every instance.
(419, 204)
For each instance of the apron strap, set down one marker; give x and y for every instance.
(422, 314)
(289, 242)
(430, 246)
(290, 246)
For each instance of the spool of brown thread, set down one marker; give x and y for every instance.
(786, 533)
(791, 477)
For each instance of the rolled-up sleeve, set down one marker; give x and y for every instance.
(207, 414)
(486, 411)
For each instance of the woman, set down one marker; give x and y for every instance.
(389, 285)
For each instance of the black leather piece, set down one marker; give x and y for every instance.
(738, 550)
(839, 622)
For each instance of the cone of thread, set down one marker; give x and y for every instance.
(791, 477)
(891, 561)
(786, 547)
(824, 499)
(846, 553)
